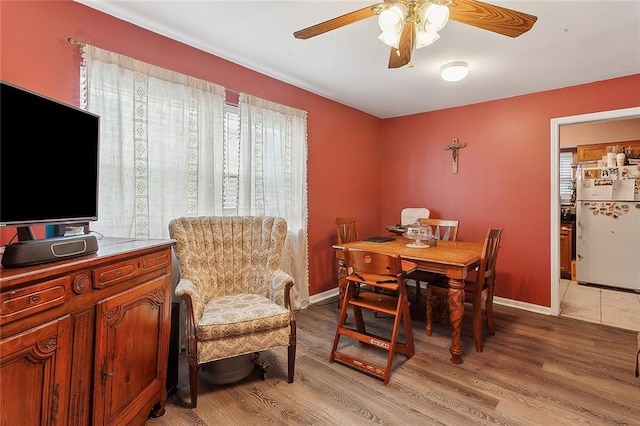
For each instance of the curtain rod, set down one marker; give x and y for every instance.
(75, 42)
(80, 45)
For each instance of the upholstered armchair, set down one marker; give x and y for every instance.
(237, 298)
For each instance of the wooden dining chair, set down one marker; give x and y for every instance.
(448, 231)
(384, 272)
(346, 232)
(478, 292)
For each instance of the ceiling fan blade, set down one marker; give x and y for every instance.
(490, 17)
(340, 21)
(402, 55)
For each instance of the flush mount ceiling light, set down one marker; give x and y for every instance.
(411, 24)
(454, 71)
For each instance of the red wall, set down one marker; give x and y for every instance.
(503, 178)
(35, 54)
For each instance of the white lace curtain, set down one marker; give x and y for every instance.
(273, 176)
(162, 154)
(160, 133)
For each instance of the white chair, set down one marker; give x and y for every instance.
(410, 215)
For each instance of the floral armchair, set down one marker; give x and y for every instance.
(237, 298)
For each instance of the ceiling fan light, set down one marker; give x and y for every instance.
(454, 71)
(434, 17)
(391, 19)
(390, 38)
(425, 38)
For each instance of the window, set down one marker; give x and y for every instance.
(170, 146)
(566, 175)
(231, 176)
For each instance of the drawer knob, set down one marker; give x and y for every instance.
(81, 283)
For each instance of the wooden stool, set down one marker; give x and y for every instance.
(384, 273)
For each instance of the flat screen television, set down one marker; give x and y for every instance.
(49, 157)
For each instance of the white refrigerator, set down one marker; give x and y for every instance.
(608, 226)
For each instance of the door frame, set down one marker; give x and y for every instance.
(556, 123)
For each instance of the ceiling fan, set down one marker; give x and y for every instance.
(411, 24)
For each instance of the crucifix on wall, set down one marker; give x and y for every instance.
(454, 147)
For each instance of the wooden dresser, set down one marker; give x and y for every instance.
(85, 340)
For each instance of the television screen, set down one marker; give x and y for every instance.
(49, 157)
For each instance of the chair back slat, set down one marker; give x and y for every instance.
(448, 227)
(346, 229)
(363, 261)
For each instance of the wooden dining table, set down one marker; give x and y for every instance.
(453, 259)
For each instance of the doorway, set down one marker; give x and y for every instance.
(556, 123)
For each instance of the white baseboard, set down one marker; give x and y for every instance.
(525, 306)
(317, 298)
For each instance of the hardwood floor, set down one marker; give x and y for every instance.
(536, 370)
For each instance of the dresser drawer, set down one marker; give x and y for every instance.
(36, 298)
(155, 261)
(115, 273)
(127, 269)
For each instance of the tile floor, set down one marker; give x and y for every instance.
(604, 306)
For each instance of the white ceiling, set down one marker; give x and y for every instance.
(573, 42)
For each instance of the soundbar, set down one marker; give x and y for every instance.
(35, 252)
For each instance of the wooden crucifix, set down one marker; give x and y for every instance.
(454, 147)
